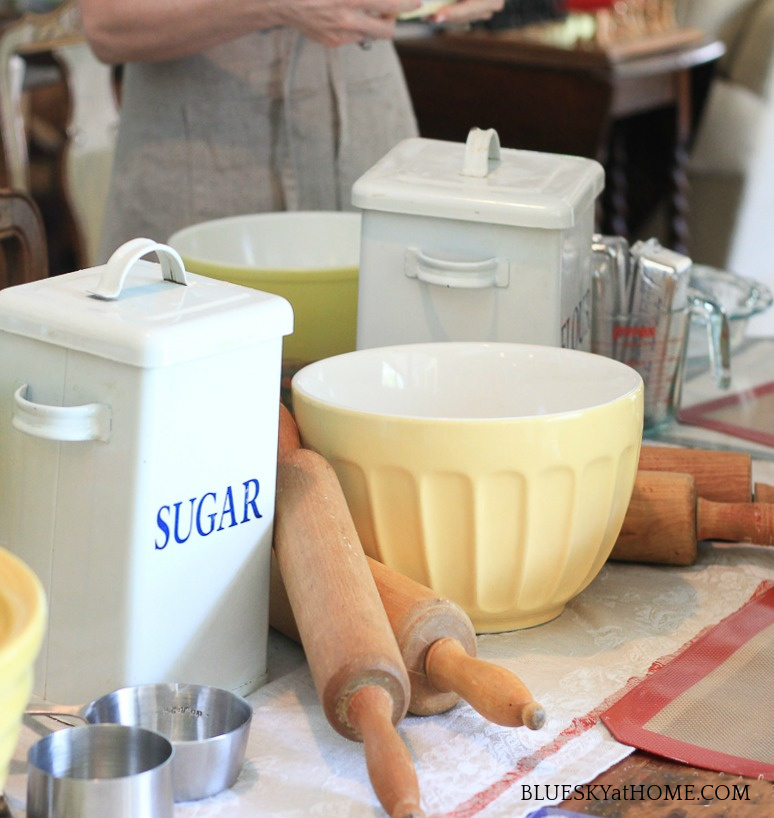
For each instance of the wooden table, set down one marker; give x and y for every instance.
(632, 109)
(693, 793)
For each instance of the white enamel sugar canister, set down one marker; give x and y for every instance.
(471, 242)
(139, 413)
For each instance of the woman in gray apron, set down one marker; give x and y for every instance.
(243, 106)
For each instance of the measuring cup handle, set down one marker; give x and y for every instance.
(718, 335)
(70, 711)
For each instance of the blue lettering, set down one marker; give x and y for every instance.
(163, 527)
(178, 538)
(211, 515)
(228, 509)
(251, 501)
(203, 515)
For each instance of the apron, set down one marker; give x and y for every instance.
(270, 121)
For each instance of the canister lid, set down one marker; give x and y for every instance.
(152, 322)
(429, 177)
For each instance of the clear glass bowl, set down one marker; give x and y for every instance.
(741, 298)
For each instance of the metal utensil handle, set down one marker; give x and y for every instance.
(91, 421)
(57, 711)
(120, 264)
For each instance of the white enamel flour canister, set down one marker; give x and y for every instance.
(471, 242)
(139, 411)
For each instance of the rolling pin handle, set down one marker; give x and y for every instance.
(493, 691)
(390, 768)
(735, 522)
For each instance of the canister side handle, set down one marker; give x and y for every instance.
(464, 274)
(91, 421)
(482, 148)
(120, 264)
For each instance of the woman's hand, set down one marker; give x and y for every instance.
(140, 30)
(339, 22)
(467, 11)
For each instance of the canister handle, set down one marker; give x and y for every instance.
(119, 265)
(481, 149)
(91, 421)
(462, 275)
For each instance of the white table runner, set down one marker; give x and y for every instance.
(630, 617)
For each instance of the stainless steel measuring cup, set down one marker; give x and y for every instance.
(207, 726)
(100, 770)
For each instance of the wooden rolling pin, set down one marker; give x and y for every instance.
(763, 493)
(665, 521)
(438, 644)
(352, 653)
(718, 475)
(436, 638)
(289, 438)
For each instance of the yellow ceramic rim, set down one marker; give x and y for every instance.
(290, 275)
(22, 613)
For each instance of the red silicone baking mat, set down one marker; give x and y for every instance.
(748, 415)
(712, 706)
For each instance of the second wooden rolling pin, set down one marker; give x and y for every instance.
(666, 520)
(354, 659)
(718, 475)
(438, 644)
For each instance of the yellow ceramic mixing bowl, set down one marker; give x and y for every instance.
(309, 258)
(496, 474)
(22, 623)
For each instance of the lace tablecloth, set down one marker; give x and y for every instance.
(629, 618)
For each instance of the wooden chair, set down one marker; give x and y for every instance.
(93, 115)
(23, 255)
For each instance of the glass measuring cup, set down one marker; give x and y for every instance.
(654, 343)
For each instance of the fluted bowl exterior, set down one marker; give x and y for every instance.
(496, 474)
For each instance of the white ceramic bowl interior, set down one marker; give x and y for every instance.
(282, 241)
(466, 381)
